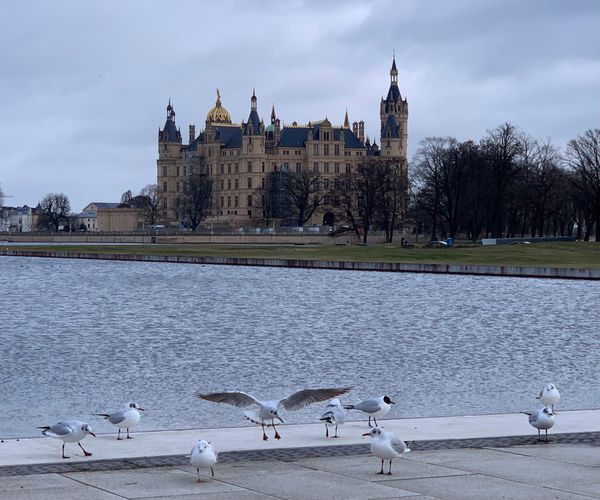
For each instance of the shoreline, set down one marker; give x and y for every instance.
(340, 265)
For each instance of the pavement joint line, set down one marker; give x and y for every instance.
(291, 454)
(88, 485)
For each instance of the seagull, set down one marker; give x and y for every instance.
(268, 410)
(373, 407)
(549, 396)
(125, 418)
(333, 414)
(203, 455)
(542, 419)
(69, 431)
(386, 446)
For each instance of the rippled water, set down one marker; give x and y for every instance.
(79, 337)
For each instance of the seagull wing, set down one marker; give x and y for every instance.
(60, 429)
(117, 417)
(239, 399)
(397, 443)
(307, 397)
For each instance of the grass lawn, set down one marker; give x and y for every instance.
(564, 254)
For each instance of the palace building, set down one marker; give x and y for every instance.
(240, 156)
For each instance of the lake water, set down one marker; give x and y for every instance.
(79, 337)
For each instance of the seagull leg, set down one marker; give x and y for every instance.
(86, 453)
(370, 421)
(277, 436)
(119, 435)
(198, 471)
(375, 420)
(326, 431)
(546, 435)
(63, 451)
(539, 436)
(381, 471)
(264, 433)
(335, 431)
(128, 436)
(212, 471)
(390, 471)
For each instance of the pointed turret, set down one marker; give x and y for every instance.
(273, 116)
(346, 120)
(394, 118)
(169, 133)
(253, 126)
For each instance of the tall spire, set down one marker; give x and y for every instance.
(273, 117)
(253, 100)
(394, 72)
(346, 120)
(170, 111)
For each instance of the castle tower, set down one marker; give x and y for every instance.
(394, 119)
(169, 153)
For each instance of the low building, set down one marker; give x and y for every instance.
(120, 219)
(95, 205)
(16, 219)
(89, 219)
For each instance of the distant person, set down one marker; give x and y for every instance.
(402, 242)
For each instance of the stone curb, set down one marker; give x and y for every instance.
(291, 454)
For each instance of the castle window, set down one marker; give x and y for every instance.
(222, 168)
(250, 166)
(262, 183)
(165, 186)
(286, 167)
(222, 184)
(164, 171)
(315, 168)
(235, 202)
(347, 168)
(249, 140)
(184, 170)
(298, 167)
(229, 184)
(249, 213)
(263, 166)
(336, 183)
(388, 143)
(222, 203)
(209, 151)
(177, 170)
(249, 182)
(229, 168)
(235, 165)
(326, 149)
(328, 199)
(326, 167)
(316, 149)
(249, 201)
(274, 167)
(336, 168)
(236, 184)
(178, 186)
(336, 150)
(229, 202)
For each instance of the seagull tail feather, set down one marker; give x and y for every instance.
(44, 428)
(105, 415)
(348, 407)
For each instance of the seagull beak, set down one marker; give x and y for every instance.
(93, 434)
(367, 434)
(392, 403)
(141, 409)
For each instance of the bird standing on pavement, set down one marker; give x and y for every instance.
(386, 446)
(377, 407)
(203, 455)
(549, 396)
(269, 410)
(542, 419)
(334, 414)
(126, 418)
(69, 431)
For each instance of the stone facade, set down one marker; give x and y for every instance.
(239, 157)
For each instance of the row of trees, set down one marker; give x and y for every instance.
(507, 184)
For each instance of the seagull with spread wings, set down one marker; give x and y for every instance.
(268, 411)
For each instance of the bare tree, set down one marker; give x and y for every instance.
(1, 197)
(583, 158)
(303, 190)
(126, 198)
(54, 209)
(274, 199)
(391, 186)
(152, 200)
(195, 200)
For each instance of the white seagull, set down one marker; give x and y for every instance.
(268, 410)
(542, 419)
(334, 414)
(549, 395)
(69, 431)
(377, 407)
(386, 446)
(126, 418)
(203, 455)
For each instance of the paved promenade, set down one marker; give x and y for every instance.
(488, 456)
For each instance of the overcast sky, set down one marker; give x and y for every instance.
(85, 85)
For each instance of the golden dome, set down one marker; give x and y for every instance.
(218, 114)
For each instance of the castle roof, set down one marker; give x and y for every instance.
(218, 114)
(171, 131)
(253, 125)
(394, 93)
(295, 137)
